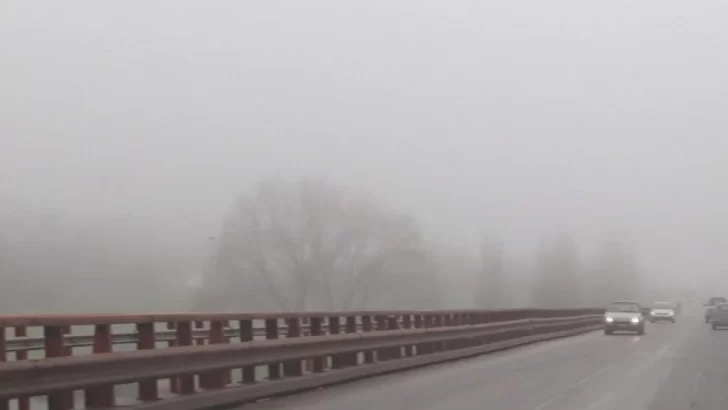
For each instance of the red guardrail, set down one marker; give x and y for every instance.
(192, 361)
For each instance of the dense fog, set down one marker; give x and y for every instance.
(256, 155)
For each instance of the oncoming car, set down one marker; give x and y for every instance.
(622, 315)
(663, 311)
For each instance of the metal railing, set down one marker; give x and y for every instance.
(213, 360)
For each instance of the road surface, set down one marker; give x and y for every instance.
(672, 367)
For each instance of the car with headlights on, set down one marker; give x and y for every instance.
(663, 311)
(624, 316)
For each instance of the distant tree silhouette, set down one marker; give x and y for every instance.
(311, 244)
(559, 274)
(490, 283)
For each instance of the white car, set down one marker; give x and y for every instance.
(663, 311)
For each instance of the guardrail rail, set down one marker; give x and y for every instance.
(198, 361)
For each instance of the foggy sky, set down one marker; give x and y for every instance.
(522, 117)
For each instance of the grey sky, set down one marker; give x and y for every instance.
(525, 117)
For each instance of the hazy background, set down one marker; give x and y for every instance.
(128, 128)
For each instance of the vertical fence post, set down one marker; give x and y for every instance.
(226, 339)
(419, 348)
(246, 335)
(4, 403)
(293, 368)
(393, 324)
(148, 389)
(317, 330)
(271, 332)
(366, 326)
(440, 321)
(351, 359)
(173, 381)
(218, 378)
(335, 329)
(428, 322)
(381, 325)
(103, 396)
(54, 347)
(21, 331)
(184, 338)
(407, 324)
(308, 363)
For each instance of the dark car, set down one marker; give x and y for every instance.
(624, 316)
(710, 306)
(719, 317)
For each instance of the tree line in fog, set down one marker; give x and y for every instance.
(307, 244)
(313, 245)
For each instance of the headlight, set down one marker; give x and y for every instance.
(609, 319)
(635, 320)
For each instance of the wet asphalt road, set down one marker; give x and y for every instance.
(672, 367)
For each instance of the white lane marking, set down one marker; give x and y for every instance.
(601, 401)
(571, 388)
(520, 353)
(696, 386)
(651, 362)
(608, 397)
(636, 339)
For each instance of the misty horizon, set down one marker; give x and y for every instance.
(527, 120)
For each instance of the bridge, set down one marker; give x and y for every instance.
(532, 359)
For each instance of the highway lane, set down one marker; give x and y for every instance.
(672, 367)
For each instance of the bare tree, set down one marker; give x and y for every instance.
(490, 290)
(314, 245)
(49, 264)
(559, 281)
(615, 273)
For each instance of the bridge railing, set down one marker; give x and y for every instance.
(194, 361)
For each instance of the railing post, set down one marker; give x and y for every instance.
(407, 324)
(173, 381)
(199, 341)
(148, 389)
(101, 397)
(441, 321)
(429, 322)
(317, 330)
(4, 403)
(366, 325)
(381, 325)
(215, 379)
(334, 329)
(393, 324)
(308, 362)
(418, 348)
(351, 359)
(21, 331)
(54, 347)
(271, 332)
(246, 335)
(293, 368)
(184, 338)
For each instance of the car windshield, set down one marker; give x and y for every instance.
(715, 301)
(663, 305)
(624, 307)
